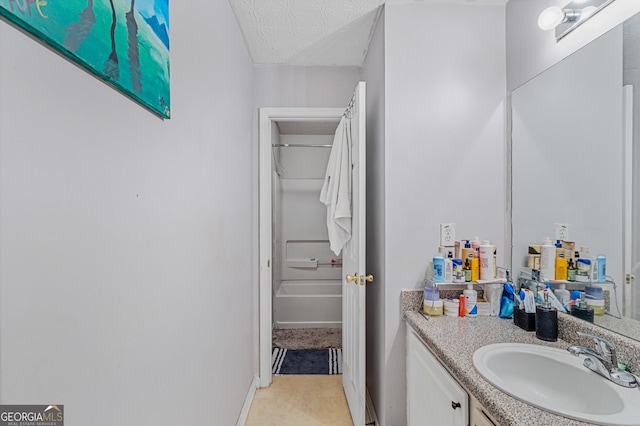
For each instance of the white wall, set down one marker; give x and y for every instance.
(531, 50)
(567, 154)
(443, 144)
(298, 86)
(126, 241)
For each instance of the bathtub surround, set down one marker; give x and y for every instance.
(307, 338)
(308, 302)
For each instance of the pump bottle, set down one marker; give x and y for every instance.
(471, 300)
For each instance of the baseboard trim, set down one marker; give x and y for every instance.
(370, 413)
(247, 402)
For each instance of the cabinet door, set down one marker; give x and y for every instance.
(434, 398)
(478, 415)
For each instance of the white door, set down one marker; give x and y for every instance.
(353, 264)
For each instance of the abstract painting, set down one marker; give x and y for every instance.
(123, 42)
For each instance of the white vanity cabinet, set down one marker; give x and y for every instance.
(433, 396)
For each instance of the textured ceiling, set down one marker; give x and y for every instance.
(314, 32)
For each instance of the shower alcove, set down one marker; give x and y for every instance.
(306, 274)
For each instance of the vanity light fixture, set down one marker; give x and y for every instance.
(566, 19)
(554, 16)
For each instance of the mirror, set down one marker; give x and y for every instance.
(572, 138)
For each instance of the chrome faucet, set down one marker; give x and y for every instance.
(603, 360)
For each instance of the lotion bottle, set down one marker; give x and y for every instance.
(547, 260)
(487, 265)
(467, 251)
(470, 301)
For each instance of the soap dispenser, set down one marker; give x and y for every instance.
(582, 310)
(546, 320)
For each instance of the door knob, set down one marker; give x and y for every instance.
(366, 279)
(352, 278)
(630, 278)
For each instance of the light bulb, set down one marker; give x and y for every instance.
(550, 18)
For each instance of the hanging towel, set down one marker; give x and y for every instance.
(336, 191)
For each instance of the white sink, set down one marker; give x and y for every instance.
(554, 380)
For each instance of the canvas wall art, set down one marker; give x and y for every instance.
(124, 42)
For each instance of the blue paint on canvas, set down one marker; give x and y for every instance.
(124, 42)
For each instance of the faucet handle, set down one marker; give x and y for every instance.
(603, 346)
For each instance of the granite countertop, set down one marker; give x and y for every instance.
(453, 340)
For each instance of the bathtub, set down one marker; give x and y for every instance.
(308, 304)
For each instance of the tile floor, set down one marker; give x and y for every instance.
(300, 400)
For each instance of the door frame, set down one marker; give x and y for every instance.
(267, 118)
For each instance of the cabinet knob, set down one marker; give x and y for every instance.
(455, 405)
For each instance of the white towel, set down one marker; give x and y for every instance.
(336, 191)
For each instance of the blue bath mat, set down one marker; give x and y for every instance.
(306, 361)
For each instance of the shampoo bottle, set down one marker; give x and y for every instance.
(487, 261)
(547, 260)
(470, 301)
(475, 245)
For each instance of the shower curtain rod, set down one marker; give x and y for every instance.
(295, 145)
(347, 114)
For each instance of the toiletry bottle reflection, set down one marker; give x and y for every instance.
(571, 271)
